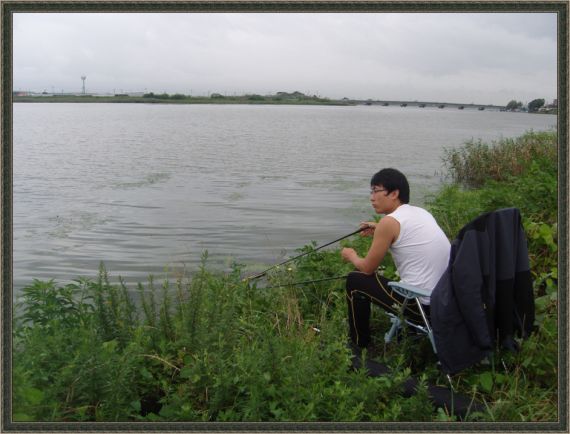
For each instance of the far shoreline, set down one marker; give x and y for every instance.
(286, 99)
(186, 100)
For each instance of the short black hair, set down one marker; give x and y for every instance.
(392, 179)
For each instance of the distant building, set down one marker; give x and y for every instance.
(549, 108)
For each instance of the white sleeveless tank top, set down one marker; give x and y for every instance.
(421, 251)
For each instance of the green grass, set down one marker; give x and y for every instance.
(211, 347)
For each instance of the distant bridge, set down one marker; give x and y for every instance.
(423, 104)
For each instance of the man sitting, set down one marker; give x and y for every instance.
(419, 248)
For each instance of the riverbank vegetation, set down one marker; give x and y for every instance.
(296, 98)
(213, 347)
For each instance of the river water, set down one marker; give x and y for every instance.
(148, 188)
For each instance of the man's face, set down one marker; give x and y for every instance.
(381, 200)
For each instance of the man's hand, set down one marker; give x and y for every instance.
(369, 231)
(348, 254)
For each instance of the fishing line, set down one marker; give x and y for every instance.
(263, 273)
(305, 282)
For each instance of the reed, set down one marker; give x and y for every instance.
(476, 162)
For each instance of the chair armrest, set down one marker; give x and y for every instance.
(409, 291)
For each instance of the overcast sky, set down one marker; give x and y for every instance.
(449, 57)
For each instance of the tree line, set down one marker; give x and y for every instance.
(532, 107)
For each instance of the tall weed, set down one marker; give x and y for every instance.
(473, 164)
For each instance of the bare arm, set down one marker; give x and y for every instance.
(385, 233)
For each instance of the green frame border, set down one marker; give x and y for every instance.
(8, 8)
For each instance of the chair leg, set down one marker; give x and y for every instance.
(428, 327)
(396, 325)
(450, 382)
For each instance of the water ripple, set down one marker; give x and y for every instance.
(142, 187)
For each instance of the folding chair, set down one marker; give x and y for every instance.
(410, 293)
(492, 251)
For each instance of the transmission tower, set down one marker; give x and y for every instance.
(83, 77)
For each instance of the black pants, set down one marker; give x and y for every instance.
(363, 289)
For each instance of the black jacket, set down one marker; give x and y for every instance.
(486, 294)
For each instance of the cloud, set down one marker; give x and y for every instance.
(434, 56)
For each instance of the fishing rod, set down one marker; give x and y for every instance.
(305, 282)
(263, 273)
